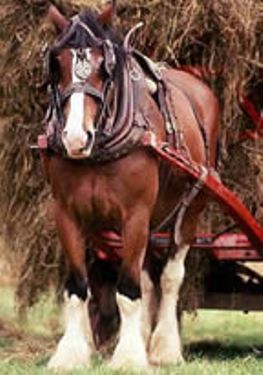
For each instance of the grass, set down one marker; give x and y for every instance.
(215, 342)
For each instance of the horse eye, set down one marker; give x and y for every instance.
(102, 70)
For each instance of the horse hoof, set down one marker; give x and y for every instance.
(164, 351)
(163, 359)
(121, 364)
(130, 352)
(68, 357)
(59, 363)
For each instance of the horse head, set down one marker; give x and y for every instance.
(81, 65)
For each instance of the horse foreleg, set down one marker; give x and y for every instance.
(149, 305)
(131, 350)
(74, 348)
(76, 345)
(165, 343)
(103, 278)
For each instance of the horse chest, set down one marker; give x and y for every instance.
(96, 201)
(83, 191)
(102, 196)
(93, 201)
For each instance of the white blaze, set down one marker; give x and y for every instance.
(75, 136)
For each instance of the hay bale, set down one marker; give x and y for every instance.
(223, 35)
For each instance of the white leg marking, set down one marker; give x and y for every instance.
(130, 351)
(75, 137)
(149, 306)
(75, 347)
(165, 345)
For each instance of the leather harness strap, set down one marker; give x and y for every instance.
(83, 87)
(197, 117)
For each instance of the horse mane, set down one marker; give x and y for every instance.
(101, 30)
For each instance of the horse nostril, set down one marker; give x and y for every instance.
(89, 136)
(64, 134)
(89, 140)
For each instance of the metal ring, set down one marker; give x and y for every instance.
(135, 74)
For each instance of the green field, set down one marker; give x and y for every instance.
(215, 342)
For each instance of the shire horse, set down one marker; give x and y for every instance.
(105, 96)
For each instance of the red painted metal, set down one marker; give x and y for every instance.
(213, 186)
(42, 142)
(249, 134)
(252, 112)
(227, 246)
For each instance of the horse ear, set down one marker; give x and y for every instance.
(57, 18)
(106, 16)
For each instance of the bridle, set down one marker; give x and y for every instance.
(59, 98)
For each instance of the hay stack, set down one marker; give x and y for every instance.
(223, 35)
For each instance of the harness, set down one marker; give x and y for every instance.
(121, 128)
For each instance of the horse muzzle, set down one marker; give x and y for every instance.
(78, 146)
